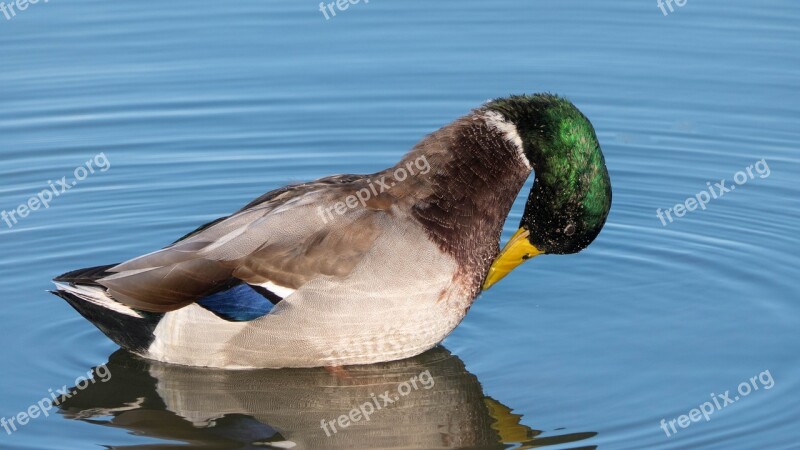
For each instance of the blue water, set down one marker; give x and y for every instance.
(201, 106)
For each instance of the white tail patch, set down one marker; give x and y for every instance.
(98, 296)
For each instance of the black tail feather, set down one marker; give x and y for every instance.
(87, 276)
(129, 332)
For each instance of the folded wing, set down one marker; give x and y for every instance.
(276, 244)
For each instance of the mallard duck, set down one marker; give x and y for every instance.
(358, 269)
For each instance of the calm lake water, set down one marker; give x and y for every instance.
(201, 106)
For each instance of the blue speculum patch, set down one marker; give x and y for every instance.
(240, 303)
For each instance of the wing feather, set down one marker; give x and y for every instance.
(280, 239)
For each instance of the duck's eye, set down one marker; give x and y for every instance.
(570, 229)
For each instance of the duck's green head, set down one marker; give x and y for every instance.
(571, 196)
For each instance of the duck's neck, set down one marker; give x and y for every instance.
(477, 169)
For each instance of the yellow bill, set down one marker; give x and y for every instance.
(517, 251)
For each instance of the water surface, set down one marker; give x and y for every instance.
(201, 106)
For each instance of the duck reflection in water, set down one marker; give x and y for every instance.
(426, 402)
